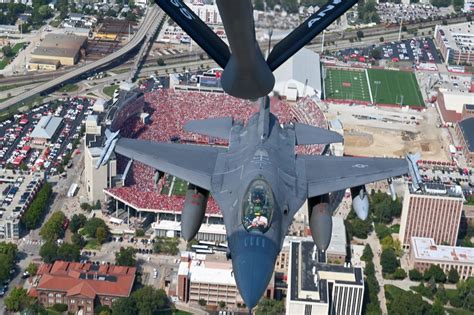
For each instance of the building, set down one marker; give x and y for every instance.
(9, 29)
(65, 48)
(18, 191)
(299, 76)
(455, 42)
(207, 232)
(315, 287)
(46, 129)
(425, 252)
(336, 252)
(200, 278)
(469, 6)
(209, 13)
(80, 286)
(467, 110)
(465, 134)
(43, 65)
(451, 104)
(434, 213)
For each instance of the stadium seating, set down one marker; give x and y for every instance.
(169, 111)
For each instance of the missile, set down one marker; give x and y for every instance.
(109, 146)
(360, 201)
(416, 180)
(393, 193)
(320, 221)
(194, 208)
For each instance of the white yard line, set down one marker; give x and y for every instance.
(370, 89)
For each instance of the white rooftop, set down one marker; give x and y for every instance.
(338, 237)
(221, 274)
(176, 226)
(426, 249)
(46, 127)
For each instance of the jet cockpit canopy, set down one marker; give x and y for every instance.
(257, 206)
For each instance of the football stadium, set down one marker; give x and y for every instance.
(372, 86)
(169, 111)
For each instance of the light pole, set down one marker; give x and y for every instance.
(377, 83)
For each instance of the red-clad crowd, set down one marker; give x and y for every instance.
(169, 111)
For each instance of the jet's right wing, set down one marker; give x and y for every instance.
(304, 33)
(192, 163)
(197, 29)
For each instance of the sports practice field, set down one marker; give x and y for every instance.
(386, 87)
(395, 87)
(347, 85)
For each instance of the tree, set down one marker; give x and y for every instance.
(49, 252)
(160, 62)
(36, 209)
(69, 252)
(407, 302)
(150, 300)
(437, 308)
(17, 300)
(360, 34)
(415, 275)
(367, 255)
(381, 230)
(101, 234)
(376, 53)
(4, 268)
(436, 272)
(399, 274)
(8, 252)
(54, 227)
(124, 306)
(78, 240)
(381, 39)
(190, 244)
(86, 206)
(202, 302)
(125, 257)
(270, 306)
(7, 51)
(32, 269)
(90, 228)
(388, 260)
(453, 276)
(221, 304)
(77, 222)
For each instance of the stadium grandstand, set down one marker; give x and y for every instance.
(169, 111)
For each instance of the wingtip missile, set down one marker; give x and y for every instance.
(393, 193)
(416, 180)
(109, 146)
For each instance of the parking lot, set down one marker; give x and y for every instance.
(18, 150)
(414, 50)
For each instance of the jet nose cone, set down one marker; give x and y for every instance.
(253, 269)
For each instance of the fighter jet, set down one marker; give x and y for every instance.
(258, 181)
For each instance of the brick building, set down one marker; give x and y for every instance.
(465, 134)
(82, 286)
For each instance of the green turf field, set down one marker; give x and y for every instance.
(395, 87)
(346, 85)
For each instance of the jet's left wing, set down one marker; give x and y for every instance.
(192, 163)
(326, 174)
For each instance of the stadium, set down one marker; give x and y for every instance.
(169, 110)
(372, 86)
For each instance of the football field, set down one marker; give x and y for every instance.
(346, 85)
(373, 85)
(395, 87)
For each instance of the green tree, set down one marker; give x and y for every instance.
(415, 275)
(190, 244)
(17, 300)
(381, 230)
(4, 268)
(32, 269)
(360, 34)
(49, 252)
(125, 257)
(150, 300)
(407, 302)
(78, 240)
(77, 222)
(399, 274)
(436, 272)
(54, 227)
(90, 228)
(376, 53)
(101, 234)
(381, 39)
(69, 252)
(270, 306)
(367, 254)
(221, 304)
(124, 306)
(202, 302)
(7, 51)
(8, 252)
(388, 260)
(35, 211)
(453, 275)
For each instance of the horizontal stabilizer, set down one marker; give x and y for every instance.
(212, 127)
(306, 134)
(197, 30)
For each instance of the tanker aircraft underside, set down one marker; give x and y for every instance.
(258, 181)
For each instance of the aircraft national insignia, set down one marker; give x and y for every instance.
(360, 165)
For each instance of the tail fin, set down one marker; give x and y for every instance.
(417, 181)
(304, 33)
(197, 30)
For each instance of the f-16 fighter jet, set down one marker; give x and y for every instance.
(258, 181)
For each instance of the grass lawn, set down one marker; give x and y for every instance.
(93, 245)
(395, 87)
(15, 49)
(69, 88)
(346, 84)
(109, 90)
(180, 187)
(458, 311)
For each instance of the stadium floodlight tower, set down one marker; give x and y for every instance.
(258, 181)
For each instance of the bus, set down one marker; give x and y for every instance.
(195, 247)
(72, 190)
(204, 251)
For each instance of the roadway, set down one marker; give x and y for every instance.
(152, 16)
